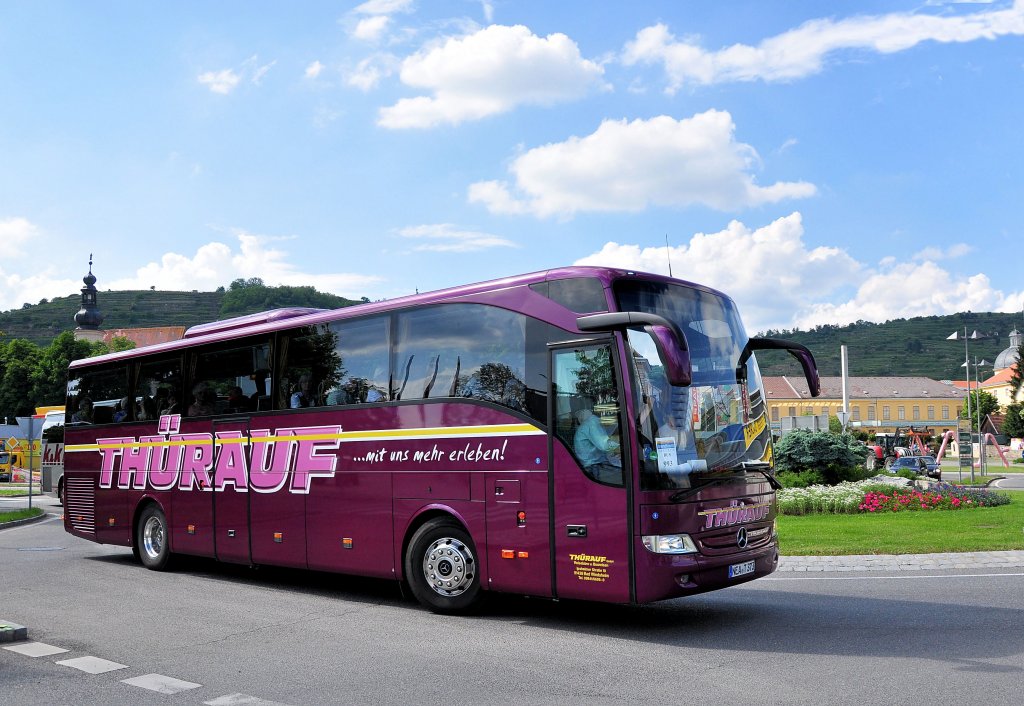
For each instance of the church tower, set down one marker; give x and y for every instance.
(89, 317)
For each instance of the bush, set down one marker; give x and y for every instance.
(837, 457)
(792, 479)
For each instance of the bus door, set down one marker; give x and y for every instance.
(231, 498)
(590, 509)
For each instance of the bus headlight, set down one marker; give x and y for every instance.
(669, 543)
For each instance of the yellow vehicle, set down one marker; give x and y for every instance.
(9, 460)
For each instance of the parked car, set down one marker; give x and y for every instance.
(922, 465)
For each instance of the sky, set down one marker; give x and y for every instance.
(822, 163)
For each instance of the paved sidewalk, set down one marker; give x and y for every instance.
(903, 562)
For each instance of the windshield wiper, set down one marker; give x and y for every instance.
(746, 466)
(764, 469)
(717, 480)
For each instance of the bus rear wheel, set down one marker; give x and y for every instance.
(152, 539)
(442, 569)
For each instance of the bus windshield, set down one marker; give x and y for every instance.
(716, 424)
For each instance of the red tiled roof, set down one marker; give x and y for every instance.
(146, 336)
(862, 388)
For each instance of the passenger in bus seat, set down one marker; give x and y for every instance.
(168, 404)
(597, 451)
(237, 401)
(121, 409)
(301, 397)
(204, 399)
(84, 413)
(147, 409)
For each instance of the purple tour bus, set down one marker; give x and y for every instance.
(582, 432)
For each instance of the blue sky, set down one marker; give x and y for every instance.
(820, 168)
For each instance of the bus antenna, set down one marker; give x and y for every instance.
(668, 255)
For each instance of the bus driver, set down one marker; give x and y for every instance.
(597, 451)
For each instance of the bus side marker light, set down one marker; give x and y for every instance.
(278, 537)
(523, 555)
(521, 518)
(346, 542)
(191, 529)
(508, 554)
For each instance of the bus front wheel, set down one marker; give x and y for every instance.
(442, 568)
(151, 539)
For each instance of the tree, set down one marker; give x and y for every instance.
(982, 400)
(18, 362)
(49, 377)
(1017, 377)
(1013, 424)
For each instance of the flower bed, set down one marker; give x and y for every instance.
(883, 494)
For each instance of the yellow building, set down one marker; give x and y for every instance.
(876, 404)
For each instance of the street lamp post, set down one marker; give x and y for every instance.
(977, 405)
(967, 378)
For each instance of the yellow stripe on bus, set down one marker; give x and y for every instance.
(368, 435)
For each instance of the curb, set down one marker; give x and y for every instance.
(25, 521)
(10, 632)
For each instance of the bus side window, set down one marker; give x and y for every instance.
(310, 364)
(362, 354)
(93, 393)
(227, 380)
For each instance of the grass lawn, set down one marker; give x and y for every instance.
(8, 492)
(980, 529)
(11, 515)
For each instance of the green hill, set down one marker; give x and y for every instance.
(140, 309)
(905, 347)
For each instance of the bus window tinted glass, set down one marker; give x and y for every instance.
(159, 389)
(94, 394)
(580, 294)
(462, 351)
(311, 366)
(362, 352)
(587, 411)
(230, 380)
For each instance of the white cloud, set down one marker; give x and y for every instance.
(770, 271)
(217, 264)
(951, 253)
(630, 166)
(383, 7)
(779, 282)
(906, 290)
(490, 71)
(15, 231)
(445, 237)
(227, 80)
(802, 51)
(369, 71)
(370, 29)
(314, 69)
(223, 81)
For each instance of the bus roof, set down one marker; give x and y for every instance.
(277, 319)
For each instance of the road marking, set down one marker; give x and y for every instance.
(92, 665)
(161, 684)
(36, 649)
(901, 577)
(241, 700)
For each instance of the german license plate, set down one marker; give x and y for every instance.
(746, 567)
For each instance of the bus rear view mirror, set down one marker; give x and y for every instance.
(801, 353)
(668, 337)
(676, 357)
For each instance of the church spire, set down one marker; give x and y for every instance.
(89, 317)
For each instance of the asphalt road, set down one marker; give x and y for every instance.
(236, 635)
